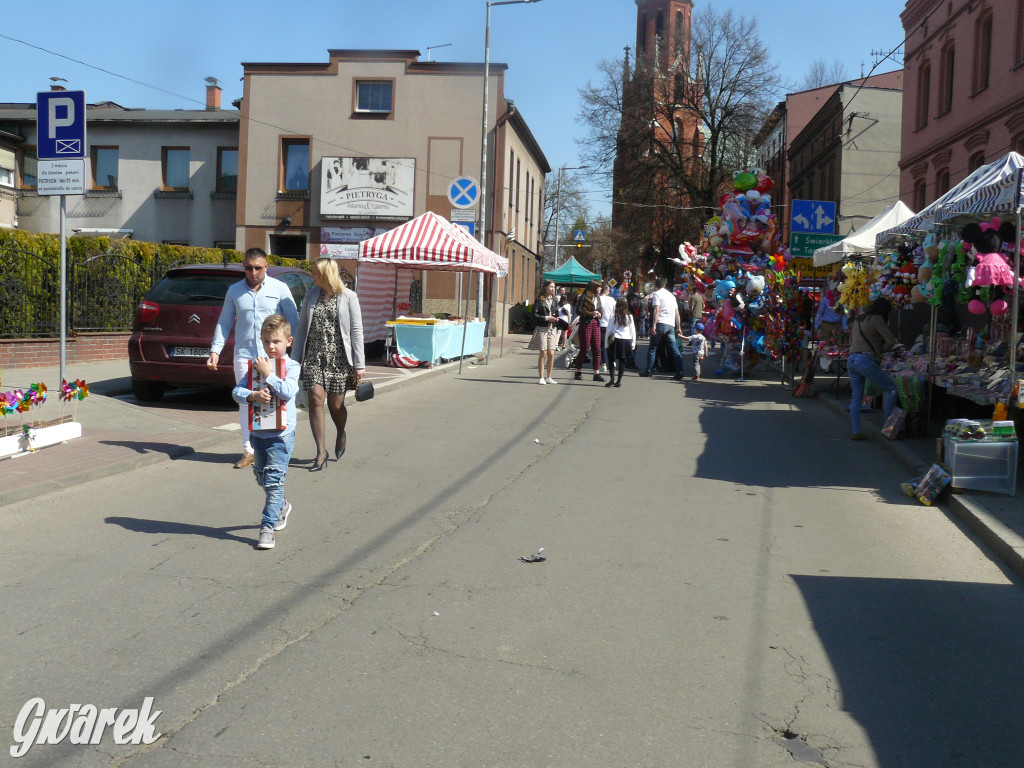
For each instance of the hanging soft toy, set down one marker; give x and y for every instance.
(990, 268)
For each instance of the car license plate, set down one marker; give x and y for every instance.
(190, 352)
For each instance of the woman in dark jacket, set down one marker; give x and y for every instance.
(869, 338)
(589, 330)
(545, 332)
(329, 344)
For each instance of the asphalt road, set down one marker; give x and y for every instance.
(729, 582)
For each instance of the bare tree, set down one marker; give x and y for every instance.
(671, 137)
(565, 200)
(821, 74)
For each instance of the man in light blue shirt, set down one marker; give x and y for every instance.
(246, 305)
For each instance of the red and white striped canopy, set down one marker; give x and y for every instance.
(430, 242)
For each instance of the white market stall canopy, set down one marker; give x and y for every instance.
(992, 188)
(863, 240)
(430, 242)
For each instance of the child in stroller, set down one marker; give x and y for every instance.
(572, 345)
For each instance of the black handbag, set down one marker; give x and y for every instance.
(364, 391)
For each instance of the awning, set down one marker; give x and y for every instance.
(571, 273)
(863, 240)
(430, 242)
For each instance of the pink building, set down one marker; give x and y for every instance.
(963, 100)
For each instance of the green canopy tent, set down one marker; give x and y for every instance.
(571, 273)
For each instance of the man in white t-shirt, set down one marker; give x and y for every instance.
(607, 310)
(665, 312)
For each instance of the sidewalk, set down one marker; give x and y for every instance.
(997, 519)
(119, 434)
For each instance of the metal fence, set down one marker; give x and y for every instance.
(103, 291)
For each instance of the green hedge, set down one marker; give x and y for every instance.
(107, 278)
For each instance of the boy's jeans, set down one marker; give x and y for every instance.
(272, 455)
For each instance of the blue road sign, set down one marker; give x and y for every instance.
(60, 123)
(816, 216)
(469, 226)
(463, 192)
(579, 235)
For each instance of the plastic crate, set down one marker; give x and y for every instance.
(982, 465)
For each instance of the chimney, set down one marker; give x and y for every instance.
(213, 97)
(56, 84)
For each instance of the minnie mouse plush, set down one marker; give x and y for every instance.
(990, 268)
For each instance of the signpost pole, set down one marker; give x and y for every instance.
(63, 288)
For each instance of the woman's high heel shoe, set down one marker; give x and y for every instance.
(318, 465)
(339, 452)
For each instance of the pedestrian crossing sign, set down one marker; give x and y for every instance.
(579, 235)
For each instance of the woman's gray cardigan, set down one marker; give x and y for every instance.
(350, 323)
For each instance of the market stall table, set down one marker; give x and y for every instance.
(429, 342)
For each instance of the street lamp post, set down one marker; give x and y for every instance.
(483, 135)
(558, 204)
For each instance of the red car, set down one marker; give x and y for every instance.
(174, 327)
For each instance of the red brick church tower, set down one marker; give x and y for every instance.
(660, 73)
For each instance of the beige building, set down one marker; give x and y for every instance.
(333, 153)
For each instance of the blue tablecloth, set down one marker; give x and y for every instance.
(430, 343)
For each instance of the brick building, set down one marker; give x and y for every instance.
(963, 104)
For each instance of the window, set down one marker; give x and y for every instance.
(511, 172)
(288, 246)
(518, 182)
(1018, 49)
(982, 52)
(659, 24)
(641, 34)
(920, 190)
(941, 182)
(294, 166)
(29, 167)
(975, 161)
(946, 80)
(924, 84)
(680, 38)
(8, 162)
(227, 169)
(176, 168)
(104, 167)
(375, 96)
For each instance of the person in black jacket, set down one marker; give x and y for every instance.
(545, 334)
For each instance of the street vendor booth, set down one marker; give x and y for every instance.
(427, 242)
(571, 273)
(970, 239)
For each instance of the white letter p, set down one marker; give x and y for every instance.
(60, 122)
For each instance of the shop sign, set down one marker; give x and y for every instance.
(339, 250)
(367, 187)
(806, 268)
(347, 234)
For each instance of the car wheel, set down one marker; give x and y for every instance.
(148, 391)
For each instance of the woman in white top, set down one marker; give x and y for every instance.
(621, 341)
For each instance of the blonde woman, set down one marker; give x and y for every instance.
(545, 334)
(329, 344)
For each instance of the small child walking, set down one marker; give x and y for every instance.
(272, 447)
(621, 339)
(700, 347)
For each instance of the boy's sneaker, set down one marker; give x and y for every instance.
(541, 381)
(266, 539)
(549, 380)
(282, 519)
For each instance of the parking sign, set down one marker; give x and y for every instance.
(60, 123)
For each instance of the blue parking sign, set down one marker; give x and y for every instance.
(60, 125)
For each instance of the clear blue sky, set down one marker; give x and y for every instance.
(552, 47)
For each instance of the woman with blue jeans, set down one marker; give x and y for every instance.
(869, 338)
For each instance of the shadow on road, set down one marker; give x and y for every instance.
(140, 525)
(932, 670)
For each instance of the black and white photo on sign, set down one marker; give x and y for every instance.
(367, 186)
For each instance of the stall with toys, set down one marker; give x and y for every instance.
(752, 305)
